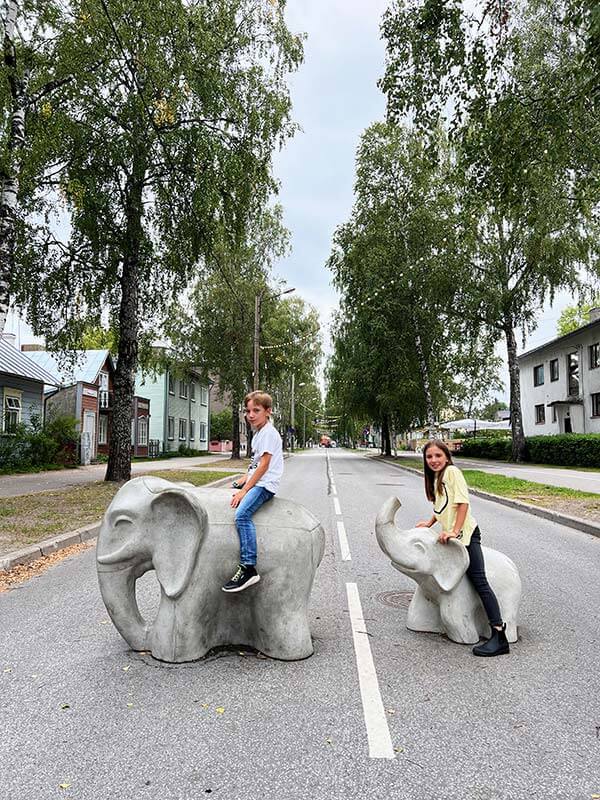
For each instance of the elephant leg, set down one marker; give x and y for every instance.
(282, 634)
(463, 616)
(423, 614)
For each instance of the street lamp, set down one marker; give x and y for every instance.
(257, 306)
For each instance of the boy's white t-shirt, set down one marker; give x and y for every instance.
(268, 440)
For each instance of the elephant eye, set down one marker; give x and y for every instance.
(420, 546)
(122, 519)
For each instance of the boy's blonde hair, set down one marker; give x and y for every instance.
(262, 398)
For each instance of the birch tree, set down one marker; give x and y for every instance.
(166, 148)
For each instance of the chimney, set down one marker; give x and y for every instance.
(32, 348)
(594, 314)
(11, 338)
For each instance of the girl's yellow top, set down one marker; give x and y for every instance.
(453, 491)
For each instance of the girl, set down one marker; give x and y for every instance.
(446, 487)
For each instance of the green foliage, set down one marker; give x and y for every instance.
(495, 448)
(221, 425)
(34, 447)
(574, 317)
(567, 449)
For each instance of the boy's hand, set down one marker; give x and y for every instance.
(445, 535)
(237, 498)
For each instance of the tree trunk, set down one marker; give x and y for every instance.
(235, 433)
(516, 418)
(249, 435)
(11, 168)
(119, 455)
(426, 384)
(386, 447)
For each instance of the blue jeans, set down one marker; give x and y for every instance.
(252, 501)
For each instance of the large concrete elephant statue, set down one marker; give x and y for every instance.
(445, 600)
(188, 536)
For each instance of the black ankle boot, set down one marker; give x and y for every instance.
(496, 645)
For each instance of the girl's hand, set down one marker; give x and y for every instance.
(445, 535)
(424, 523)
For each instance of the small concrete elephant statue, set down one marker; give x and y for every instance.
(188, 536)
(445, 600)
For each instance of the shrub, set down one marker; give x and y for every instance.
(36, 447)
(567, 449)
(495, 448)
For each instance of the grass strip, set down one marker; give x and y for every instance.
(30, 518)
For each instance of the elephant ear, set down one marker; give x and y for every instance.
(450, 564)
(179, 522)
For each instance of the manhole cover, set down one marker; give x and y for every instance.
(395, 599)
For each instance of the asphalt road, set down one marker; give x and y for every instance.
(522, 726)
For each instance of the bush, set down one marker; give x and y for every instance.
(495, 448)
(187, 451)
(34, 447)
(567, 449)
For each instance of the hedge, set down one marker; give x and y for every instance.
(567, 449)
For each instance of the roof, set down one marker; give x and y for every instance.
(561, 339)
(72, 366)
(14, 362)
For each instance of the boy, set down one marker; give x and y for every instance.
(259, 486)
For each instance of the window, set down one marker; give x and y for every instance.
(193, 391)
(171, 384)
(573, 371)
(12, 410)
(102, 429)
(538, 375)
(183, 389)
(171, 428)
(554, 369)
(142, 431)
(540, 414)
(192, 429)
(203, 431)
(596, 405)
(204, 396)
(182, 430)
(594, 355)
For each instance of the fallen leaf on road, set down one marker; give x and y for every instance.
(8, 669)
(391, 710)
(328, 741)
(64, 785)
(64, 706)
(103, 622)
(126, 669)
(204, 705)
(35, 675)
(220, 710)
(398, 749)
(129, 705)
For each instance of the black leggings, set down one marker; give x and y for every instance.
(476, 572)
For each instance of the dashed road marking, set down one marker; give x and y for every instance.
(344, 546)
(378, 732)
(336, 507)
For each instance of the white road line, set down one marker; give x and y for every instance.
(333, 489)
(378, 732)
(344, 547)
(336, 506)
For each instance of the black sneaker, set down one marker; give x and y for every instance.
(245, 576)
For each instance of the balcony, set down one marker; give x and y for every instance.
(105, 399)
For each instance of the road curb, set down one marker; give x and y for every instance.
(55, 543)
(576, 523)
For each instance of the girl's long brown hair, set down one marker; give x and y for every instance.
(431, 485)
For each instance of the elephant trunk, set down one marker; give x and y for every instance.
(118, 592)
(386, 531)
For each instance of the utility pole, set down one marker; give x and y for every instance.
(257, 303)
(292, 410)
(257, 311)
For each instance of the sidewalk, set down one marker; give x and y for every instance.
(582, 480)
(583, 525)
(33, 482)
